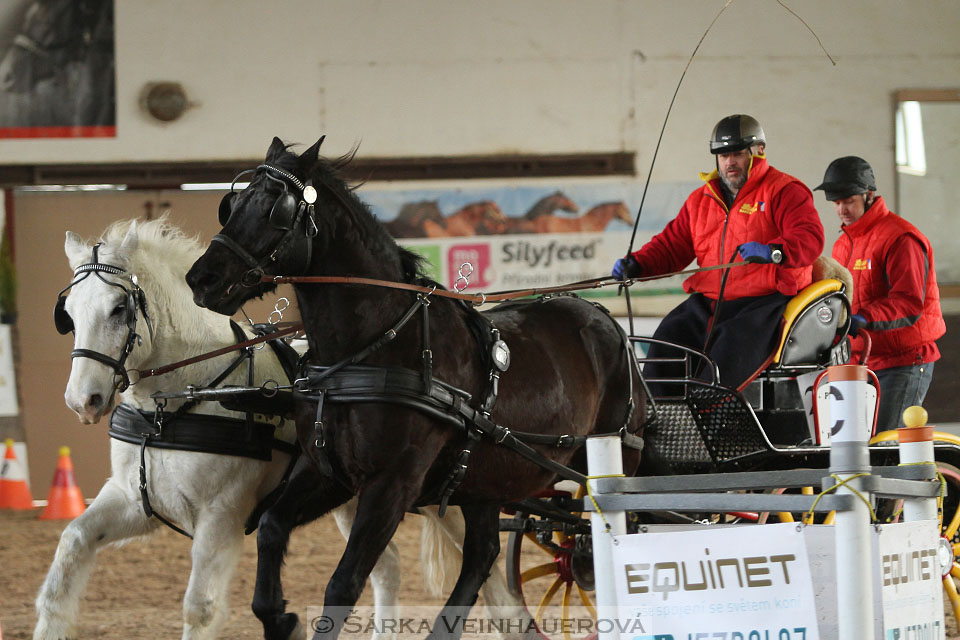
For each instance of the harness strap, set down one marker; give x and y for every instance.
(402, 386)
(456, 475)
(427, 352)
(389, 335)
(144, 494)
(193, 432)
(320, 457)
(201, 433)
(116, 365)
(242, 253)
(287, 356)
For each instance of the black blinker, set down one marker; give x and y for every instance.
(61, 319)
(130, 313)
(281, 216)
(226, 208)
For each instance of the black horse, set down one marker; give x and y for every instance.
(59, 69)
(571, 375)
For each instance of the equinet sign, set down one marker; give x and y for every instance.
(709, 574)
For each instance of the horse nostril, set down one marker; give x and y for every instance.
(196, 277)
(201, 282)
(95, 401)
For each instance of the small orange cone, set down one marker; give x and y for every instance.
(64, 501)
(14, 491)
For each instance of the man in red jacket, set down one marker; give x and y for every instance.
(749, 209)
(895, 293)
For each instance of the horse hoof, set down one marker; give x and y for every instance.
(299, 631)
(48, 630)
(283, 627)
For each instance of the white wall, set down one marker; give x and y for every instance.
(451, 77)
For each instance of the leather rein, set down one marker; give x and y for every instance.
(499, 296)
(167, 368)
(476, 299)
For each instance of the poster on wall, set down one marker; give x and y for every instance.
(518, 237)
(57, 75)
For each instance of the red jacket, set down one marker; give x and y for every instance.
(894, 287)
(771, 207)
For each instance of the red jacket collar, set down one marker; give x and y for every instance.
(876, 211)
(758, 168)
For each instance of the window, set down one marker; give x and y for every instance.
(911, 154)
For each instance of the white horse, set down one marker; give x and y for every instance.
(208, 495)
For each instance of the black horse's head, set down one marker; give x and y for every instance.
(54, 33)
(268, 229)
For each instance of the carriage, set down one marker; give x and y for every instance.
(704, 427)
(412, 404)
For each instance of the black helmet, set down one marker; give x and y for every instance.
(736, 132)
(847, 176)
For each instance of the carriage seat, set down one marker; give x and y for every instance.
(813, 337)
(813, 323)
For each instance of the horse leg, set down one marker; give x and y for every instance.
(481, 546)
(216, 550)
(385, 577)
(307, 496)
(380, 508)
(438, 557)
(111, 517)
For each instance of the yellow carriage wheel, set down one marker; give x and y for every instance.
(555, 578)
(949, 530)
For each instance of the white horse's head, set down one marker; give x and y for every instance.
(119, 305)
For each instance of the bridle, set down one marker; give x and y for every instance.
(286, 214)
(135, 299)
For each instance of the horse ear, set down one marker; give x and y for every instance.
(76, 249)
(309, 157)
(130, 240)
(276, 148)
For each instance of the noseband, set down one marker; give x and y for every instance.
(135, 299)
(285, 214)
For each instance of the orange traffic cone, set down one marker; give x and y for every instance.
(64, 501)
(14, 491)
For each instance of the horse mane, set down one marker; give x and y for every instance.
(159, 242)
(163, 255)
(328, 171)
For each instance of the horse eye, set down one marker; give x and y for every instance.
(118, 310)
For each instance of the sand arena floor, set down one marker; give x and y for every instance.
(136, 590)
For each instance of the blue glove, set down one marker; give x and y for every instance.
(857, 322)
(756, 252)
(625, 268)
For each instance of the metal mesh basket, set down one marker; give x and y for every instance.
(706, 431)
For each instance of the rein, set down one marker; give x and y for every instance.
(497, 296)
(167, 368)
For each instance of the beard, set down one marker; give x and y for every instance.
(734, 184)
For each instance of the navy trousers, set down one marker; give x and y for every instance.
(744, 336)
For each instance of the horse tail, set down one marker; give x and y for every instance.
(441, 550)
